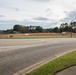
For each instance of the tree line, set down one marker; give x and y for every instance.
(64, 27)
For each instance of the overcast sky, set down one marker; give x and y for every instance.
(46, 13)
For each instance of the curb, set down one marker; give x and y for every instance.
(32, 67)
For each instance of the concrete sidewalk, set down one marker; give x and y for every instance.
(69, 71)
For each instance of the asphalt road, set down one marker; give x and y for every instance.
(18, 54)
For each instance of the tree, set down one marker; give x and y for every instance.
(63, 25)
(55, 30)
(31, 28)
(39, 29)
(20, 28)
(74, 30)
(73, 25)
(47, 30)
(8, 31)
(16, 28)
(66, 29)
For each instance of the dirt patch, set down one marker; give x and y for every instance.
(39, 34)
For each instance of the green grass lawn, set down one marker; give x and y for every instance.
(29, 37)
(56, 65)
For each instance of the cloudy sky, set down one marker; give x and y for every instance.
(46, 13)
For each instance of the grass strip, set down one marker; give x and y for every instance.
(56, 65)
(31, 37)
